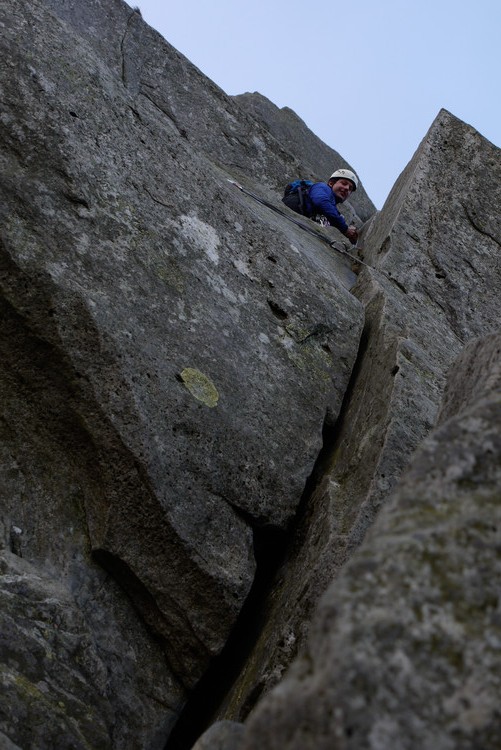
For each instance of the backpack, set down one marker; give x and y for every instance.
(295, 195)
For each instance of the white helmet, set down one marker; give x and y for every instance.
(345, 174)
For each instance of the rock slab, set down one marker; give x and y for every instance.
(170, 352)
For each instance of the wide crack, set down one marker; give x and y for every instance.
(206, 702)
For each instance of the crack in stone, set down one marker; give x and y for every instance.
(477, 227)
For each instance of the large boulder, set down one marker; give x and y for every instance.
(171, 350)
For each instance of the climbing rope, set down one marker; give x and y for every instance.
(334, 244)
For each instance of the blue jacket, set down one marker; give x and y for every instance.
(321, 200)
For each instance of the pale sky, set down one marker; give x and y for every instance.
(367, 77)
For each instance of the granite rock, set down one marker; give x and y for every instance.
(171, 350)
(433, 285)
(405, 649)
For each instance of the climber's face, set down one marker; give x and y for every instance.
(342, 189)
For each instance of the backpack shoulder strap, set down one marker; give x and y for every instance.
(302, 190)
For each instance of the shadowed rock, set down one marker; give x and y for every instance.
(178, 363)
(405, 648)
(170, 352)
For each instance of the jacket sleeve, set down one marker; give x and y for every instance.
(323, 202)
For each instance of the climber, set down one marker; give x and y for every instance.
(321, 199)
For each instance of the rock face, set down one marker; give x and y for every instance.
(223, 735)
(435, 286)
(315, 156)
(405, 649)
(170, 352)
(187, 376)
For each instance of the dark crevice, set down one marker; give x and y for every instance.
(78, 200)
(15, 542)
(332, 433)
(397, 283)
(205, 699)
(271, 548)
(278, 311)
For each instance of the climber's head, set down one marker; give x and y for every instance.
(343, 183)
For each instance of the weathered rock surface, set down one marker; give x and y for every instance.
(170, 352)
(224, 735)
(78, 669)
(317, 160)
(176, 359)
(436, 285)
(405, 650)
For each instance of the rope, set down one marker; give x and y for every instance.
(318, 235)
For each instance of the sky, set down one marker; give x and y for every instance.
(368, 78)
